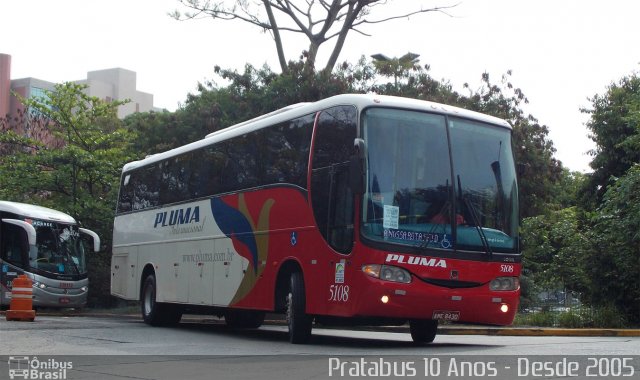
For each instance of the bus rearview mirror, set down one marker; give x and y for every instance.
(94, 236)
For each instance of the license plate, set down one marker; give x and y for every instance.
(446, 315)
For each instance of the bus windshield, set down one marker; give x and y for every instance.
(59, 249)
(440, 183)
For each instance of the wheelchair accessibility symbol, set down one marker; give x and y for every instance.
(294, 238)
(446, 243)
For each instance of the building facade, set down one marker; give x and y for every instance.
(118, 84)
(109, 85)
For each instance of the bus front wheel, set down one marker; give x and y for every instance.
(298, 321)
(423, 330)
(156, 313)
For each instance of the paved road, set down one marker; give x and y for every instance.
(124, 347)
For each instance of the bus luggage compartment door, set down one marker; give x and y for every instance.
(122, 276)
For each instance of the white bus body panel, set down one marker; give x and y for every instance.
(194, 262)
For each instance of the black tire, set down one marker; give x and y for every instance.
(244, 319)
(156, 313)
(298, 321)
(423, 330)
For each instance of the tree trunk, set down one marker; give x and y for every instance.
(276, 36)
(310, 64)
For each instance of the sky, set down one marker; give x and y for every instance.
(561, 52)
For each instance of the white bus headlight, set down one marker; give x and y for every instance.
(387, 273)
(504, 283)
(39, 285)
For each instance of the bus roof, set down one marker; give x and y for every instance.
(36, 212)
(361, 101)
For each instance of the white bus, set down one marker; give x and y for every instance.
(356, 209)
(45, 245)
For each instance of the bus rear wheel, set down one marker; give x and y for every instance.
(244, 319)
(298, 321)
(423, 330)
(156, 313)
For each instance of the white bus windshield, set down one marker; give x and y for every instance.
(436, 182)
(59, 249)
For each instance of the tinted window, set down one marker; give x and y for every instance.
(14, 244)
(331, 196)
(274, 155)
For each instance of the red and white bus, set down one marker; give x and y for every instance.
(356, 209)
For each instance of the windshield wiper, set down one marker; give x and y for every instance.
(475, 218)
(476, 222)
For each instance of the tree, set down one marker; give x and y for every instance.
(26, 131)
(396, 67)
(609, 199)
(613, 264)
(80, 173)
(318, 20)
(554, 250)
(615, 128)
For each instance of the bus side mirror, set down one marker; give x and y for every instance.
(94, 236)
(28, 228)
(356, 167)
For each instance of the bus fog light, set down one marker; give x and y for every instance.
(504, 283)
(384, 299)
(504, 308)
(84, 288)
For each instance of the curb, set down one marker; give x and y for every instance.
(537, 331)
(513, 331)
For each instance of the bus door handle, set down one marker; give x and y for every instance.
(201, 266)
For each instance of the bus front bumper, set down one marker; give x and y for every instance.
(420, 300)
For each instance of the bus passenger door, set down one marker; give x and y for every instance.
(333, 203)
(13, 258)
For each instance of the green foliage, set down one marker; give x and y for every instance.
(78, 171)
(609, 202)
(540, 319)
(605, 316)
(615, 128)
(570, 319)
(554, 248)
(614, 260)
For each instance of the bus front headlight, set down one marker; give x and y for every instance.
(387, 273)
(39, 285)
(504, 283)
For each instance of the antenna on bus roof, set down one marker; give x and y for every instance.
(273, 113)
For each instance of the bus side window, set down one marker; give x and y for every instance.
(331, 196)
(126, 194)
